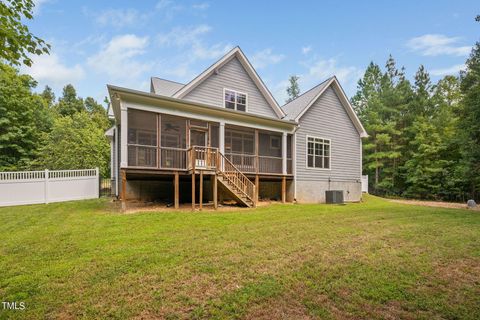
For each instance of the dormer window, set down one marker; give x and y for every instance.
(235, 100)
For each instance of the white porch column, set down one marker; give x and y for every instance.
(221, 141)
(112, 155)
(117, 146)
(123, 136)
(284, 153)
(294, 164)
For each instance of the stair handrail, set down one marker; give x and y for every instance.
(226, 168)
(236, 177)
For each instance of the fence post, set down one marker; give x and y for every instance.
(46, 185)
(98, 182)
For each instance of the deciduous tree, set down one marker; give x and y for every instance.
(17, 43)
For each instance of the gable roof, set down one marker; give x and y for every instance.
(164, 87)
(235, 52)
(297, 108)
(293, 108)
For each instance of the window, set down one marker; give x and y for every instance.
(318, 153)
(235, 100)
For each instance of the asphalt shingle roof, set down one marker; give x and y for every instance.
(165, 87)
(295, 107)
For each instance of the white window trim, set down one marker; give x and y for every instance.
(306, 154)
(236, 92)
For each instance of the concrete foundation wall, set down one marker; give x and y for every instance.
(314, 191)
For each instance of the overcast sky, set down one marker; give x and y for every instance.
(126, 42)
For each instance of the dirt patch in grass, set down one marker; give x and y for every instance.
(279, 308)
(459, 273)
(142, 206)
(438, 204)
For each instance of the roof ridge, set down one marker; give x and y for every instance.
(167, 80)
(201, 73)
(312, 88)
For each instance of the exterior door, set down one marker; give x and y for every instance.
(199, 138)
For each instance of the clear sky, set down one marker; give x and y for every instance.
(125, 42)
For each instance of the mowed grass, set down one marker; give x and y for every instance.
(374, 259)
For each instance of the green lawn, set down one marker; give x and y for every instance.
(371, 260)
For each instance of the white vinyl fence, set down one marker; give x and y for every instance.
(365, 184)
(29, 187)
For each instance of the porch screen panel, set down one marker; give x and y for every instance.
(173, 142)
(270, 144)
(214, 135)
(142, 138)
(239, 142)
(270, 152)
(173, 132)
(240, 148)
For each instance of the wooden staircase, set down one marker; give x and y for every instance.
(233, 181)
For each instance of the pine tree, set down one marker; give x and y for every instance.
(446, 98)
(422, 105)
(293, 90)
(97, 112)
(48, 96)
(379, 121)
(469, 122)
(69, 103)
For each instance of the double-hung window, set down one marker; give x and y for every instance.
(235, 100)
(318, 153)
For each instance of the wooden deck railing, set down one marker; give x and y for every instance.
(247, 163)
(270, 164)
(205, 158)
(202, 158)
(236, 177)
(173, 158)
(244, 162)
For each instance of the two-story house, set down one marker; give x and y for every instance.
(224, 136)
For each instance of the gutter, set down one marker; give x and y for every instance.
(112, 88)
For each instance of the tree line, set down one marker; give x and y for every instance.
(38, 131)
(424, 137)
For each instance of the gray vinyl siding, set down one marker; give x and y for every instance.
(328, 119)
(231, 76)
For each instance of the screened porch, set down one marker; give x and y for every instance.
(160, 141)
